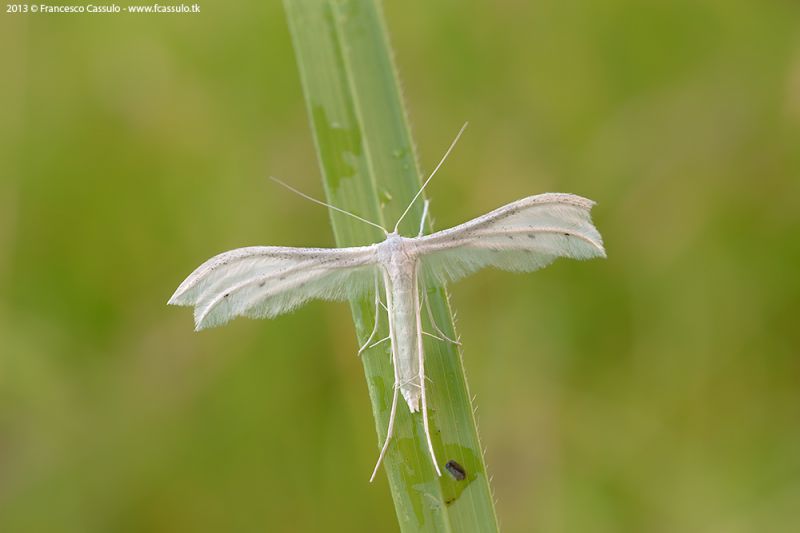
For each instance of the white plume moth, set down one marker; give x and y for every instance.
(265, 281)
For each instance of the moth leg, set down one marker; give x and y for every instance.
(437, 337)
(396, 386)
(421, 355)
(378, 304)
(424, 215)
(379, 342)
(389, 432)
(411, 382)
(433, 322)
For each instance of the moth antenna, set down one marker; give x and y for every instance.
(419, 192)
(320, 202)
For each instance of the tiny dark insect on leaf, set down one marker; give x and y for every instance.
(456, 470)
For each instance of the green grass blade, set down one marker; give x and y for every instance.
(369, 167)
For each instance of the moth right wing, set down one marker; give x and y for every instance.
(521, 236)
(265, 281)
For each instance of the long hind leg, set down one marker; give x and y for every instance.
(391, 428)
(396, 386)
(421, 355)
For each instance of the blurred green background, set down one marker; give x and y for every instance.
(656, 391)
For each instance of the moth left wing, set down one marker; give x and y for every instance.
(265, 281)
(521, 236)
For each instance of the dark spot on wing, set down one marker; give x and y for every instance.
(531, 236)
(262, 283)
(226, 295)
(449, 501)
(456, 470)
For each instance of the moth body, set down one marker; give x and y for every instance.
(396, 257)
